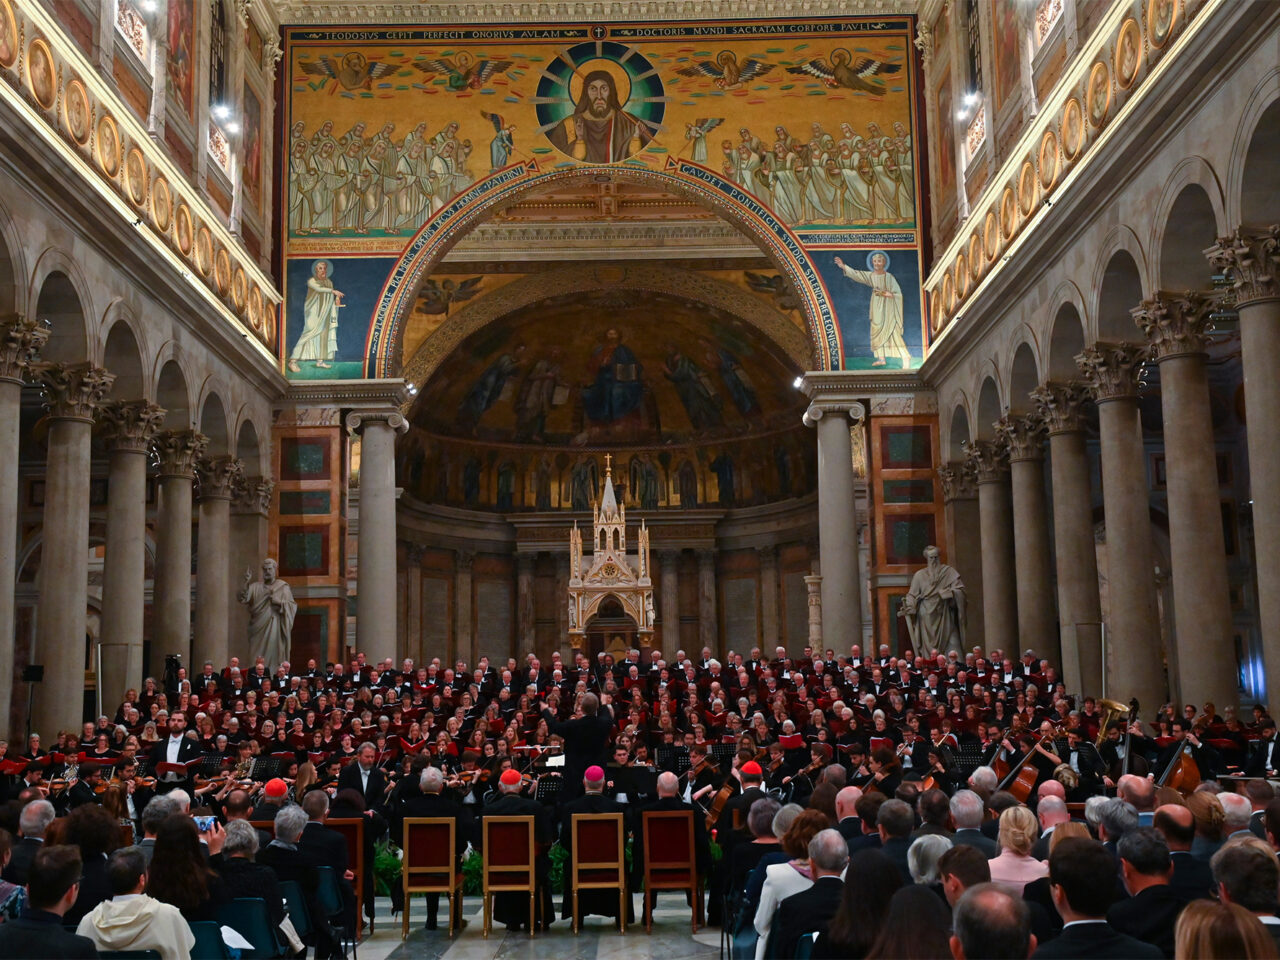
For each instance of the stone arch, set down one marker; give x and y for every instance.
(213, 424)
(172, 393)
(441, 232)
(1066, 340)
(1120, 290)
(1119, 239)
(249, 449)
(1253, 173)
(13, 293)
(1024, 376)
(1188, 218)
(990, 409)
(61, 298)
(958, 434)
(122, 355)
(686, 284)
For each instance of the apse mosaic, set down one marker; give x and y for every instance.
(806, 131)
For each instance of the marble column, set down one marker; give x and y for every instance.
(990, 462)
(1037, 621)
(73, 393)
(813, 590)
(1176, 326)
(376, 531)
(1075, 555)
(250, 511)
(842, 586)
(964, 541)
(524, 605)
(770, 632)
(562, 608)
(20, 343)
(708, 627)
(669, 600)
(177, 452)
(128, 429)
(218, 476)
(1250, 257)
(463, 634)
(1133, 666)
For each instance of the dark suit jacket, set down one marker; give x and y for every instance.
(586, 742)
(248, 879)
(327, 847)
(895, 848)
(971, 837)
(434, 805)
(805, 912)
(1192, 877)
(588, 803)
(1257, 824)
(24, 851)
(868, 841)
(1097, 941)
(349, 778)
(188, 750)
(1263, 757)
(850, 828)
(38, 934)
(1150, 916)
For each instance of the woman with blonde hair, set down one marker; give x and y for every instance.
(1015, 867)
(1221, 931)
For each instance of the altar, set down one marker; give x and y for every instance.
(610, 591)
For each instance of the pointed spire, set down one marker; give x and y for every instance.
(608, 501)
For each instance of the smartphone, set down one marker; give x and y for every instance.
(204, 824)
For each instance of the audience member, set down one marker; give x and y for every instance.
(960, 868)
(870, 883)
(131, 920)
(1152, 907)
(1248, 875)
(923, 856)
(1192, 877)
(1015, 866)
(989, 923)
(97, 834)
(180, 875)
(32, 824)
(241, 875)
(810, 910)
(1207, 812)
(894, 821)
(967, 811)
(793, 876)
(1221, 931)
(53, 883)
(917, 927)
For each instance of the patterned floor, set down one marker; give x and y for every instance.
(598, 940)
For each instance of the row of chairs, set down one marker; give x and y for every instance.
(510, 861)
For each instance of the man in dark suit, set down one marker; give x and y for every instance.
(1151, 910)
(32, 823)
(365, 777)
(586, 740)
(327, 847)
(1248, 877)
(290, 861)
(1264, 758)
(895, 820)
(1082, 883)
(52, 888)
(809, 910)
(1260, 793)
(868, 807)
(849, 825)
(967, 811)
(430, 801)
(176, 748)
(668, 799)
(1192, 878)
(1050, 811)
(602, 903)
(512, 909)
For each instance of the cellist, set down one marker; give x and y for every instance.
(1186, 738)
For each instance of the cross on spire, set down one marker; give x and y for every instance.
(608, 469)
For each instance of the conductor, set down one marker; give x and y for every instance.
(586, 740)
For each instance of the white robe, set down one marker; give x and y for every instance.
(886, 314)
(319, 339)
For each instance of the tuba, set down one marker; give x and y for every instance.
(1112, 710)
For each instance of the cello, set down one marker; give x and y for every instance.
(1021, 780)
(1182, 772)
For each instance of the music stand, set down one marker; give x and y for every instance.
(724, 754)
(673, 758)
(970, 758)
(548, 788)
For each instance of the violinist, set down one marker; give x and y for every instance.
(702, 776)
(1083, 757)
(750, 777)
(886, 772)
(776, 769)
(84, 790)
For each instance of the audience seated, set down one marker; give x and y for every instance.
(241, 875)
(894, 820)
(1152, 907)
(97, 834)
(809, 910)
(1192, 877)
(179, 873)
(1247, 874)
(1220, 931)
(32, 824)
(132, 920)
(53, 883)
(871, 880)
(1015, 866)
(960, 868)
(989, 923)
(917, 925)
(790, 877)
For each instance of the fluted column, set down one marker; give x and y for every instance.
(769, 632)
(990, 462)
(250, 510)
(708, 628)
(1176, 326)
(837, 521)
(20, 343)
(1251, 257)
(128, 429)
(72, 393)
(964, 541)
(1037, 623)
(218, 476)
(376, 543)
(524, 604)
(463, 633)
(1133, 666)
(669, 600)
(1076, 556)
(177, 452)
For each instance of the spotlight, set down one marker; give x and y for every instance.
(232, 127)
(797, 382)
(149, 6)
(970, 99)
(221, 111)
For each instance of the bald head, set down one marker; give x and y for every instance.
(1139, 791)
(1051, 788)
(1052, 811)
(1176, 824)
(846, 802)
(668, 784)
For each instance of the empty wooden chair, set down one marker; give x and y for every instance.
(430, 864)
(670, 858)
(599, 859)
(510, 864)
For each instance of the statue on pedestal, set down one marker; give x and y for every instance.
(271, 613)
(934, 607)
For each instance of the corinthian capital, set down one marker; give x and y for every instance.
(252, 494)
(1061, 405)
(130, 425)
(1023, 436)
(177, 452)
(924, 42)
(20, 343)
(989, 459)
(959, 481)
(1112, 370)
(1176, 324)
(1251, 258)
(72, 391)
(218, 476)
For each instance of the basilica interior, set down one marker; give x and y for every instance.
(403, 295)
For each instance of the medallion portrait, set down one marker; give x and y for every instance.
(238, 289)
(1161, 17)
(991, 236)
(1048, 159)
(182, 229)
(161, 204)
(135, 176)
(975, 256)
(1128, 53)
(8, 35)
(1008, 213)
(1099, 94)
(1072, 129)
(41, 74)
(962, 275)
(204, 250)
(76, 112)
(255, 307)
(222, 270)
(948, 294)
(1026, 188)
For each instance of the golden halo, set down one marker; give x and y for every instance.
(621, 80)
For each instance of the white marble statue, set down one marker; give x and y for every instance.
(934, 607)
(271, 613)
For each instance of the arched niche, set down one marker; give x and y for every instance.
(123, 358)
(959, 436)
(1259, 193)
(989, 410)
(1023, 378)
(1066, 341)
(249, 450)
(172, 394)
(213, 424)
(59, 305)
(1121, 291)
(1191, 227)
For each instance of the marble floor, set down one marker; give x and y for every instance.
(598, 940)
